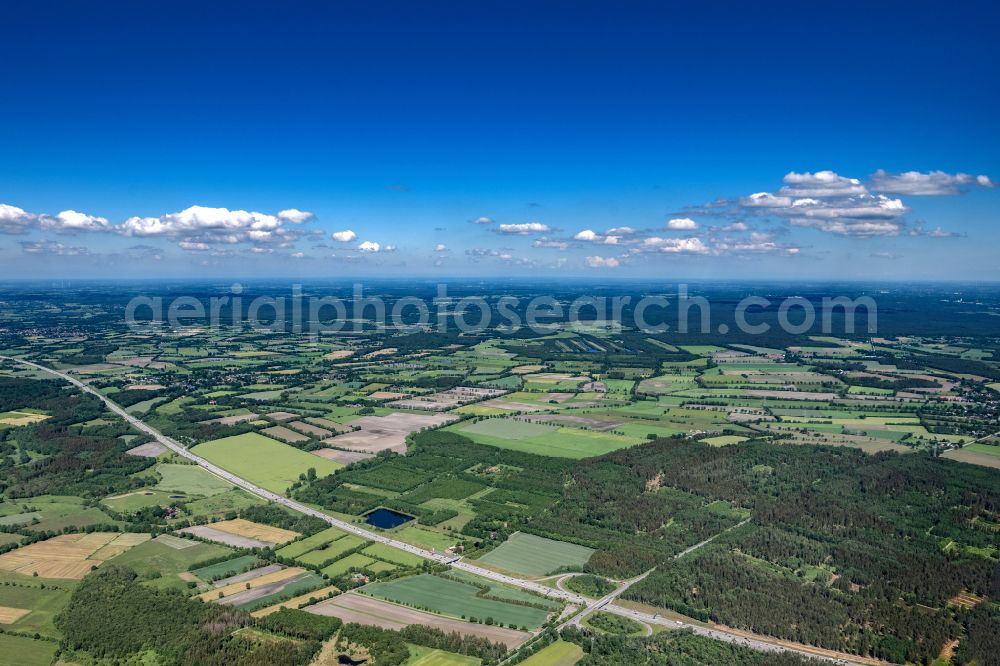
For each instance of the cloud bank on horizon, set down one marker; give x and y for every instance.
(790, 222)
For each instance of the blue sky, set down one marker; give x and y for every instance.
(142, 141)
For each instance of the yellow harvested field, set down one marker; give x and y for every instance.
(10, 615)
(387, 395)
(388, 351)
(119, 546)
(246, 528)
(21, 418)
(526, 369)
(296, 602)
(266, 579)
(965, 599)
(68, 555)
(340, 353)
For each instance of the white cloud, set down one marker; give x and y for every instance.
(591, 236)
(933, 183)
(192, 246)
(298, 255)
(862, 216)
(369, 246)
(830, 203)
(440, 247)
(70, 222)
(550, 243)
(856, 229)
(523, 228)
(938, 232)
(481, 252)
(757, 243)
(52, 248)
(867, 207)
(296, 216)
(736, 226)
(503, 256)
(621, 231)
(482, 220)
(765, 200)
(691, 245)
(601, 262)
(14, 220)
(345, 236)
(682, 224)
(197, 219)
(820, 184)
(212, 226)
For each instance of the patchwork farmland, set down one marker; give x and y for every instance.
(586, 449)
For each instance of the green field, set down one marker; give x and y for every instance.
(536, 556)
(425, 656)
(264, 461)
(983, 448)
(393, 555)
(505, 592)
(45, 600)
(418, 535)
(140, 499)
(343, 565)
(190, 479)
(223, 503)
(225, 569)
(300, 585)
(546, 440)
(154, 558)
(54, 513)
(20, 651)
(455, 599)
(303, 546)
(508, 429)
(333, 550)
(560, 653)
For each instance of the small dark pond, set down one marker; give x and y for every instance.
(344, 659)
(387, 518)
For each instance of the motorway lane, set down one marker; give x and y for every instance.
(441, 558)
(605, 600)
(762, 645)
(605, 603)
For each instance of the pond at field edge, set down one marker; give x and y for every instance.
(387, 519)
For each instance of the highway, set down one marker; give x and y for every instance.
(604, 601)
(178, 448)
(736, 639)
(590, 605)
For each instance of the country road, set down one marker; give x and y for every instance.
(691, 549)
(605, 603)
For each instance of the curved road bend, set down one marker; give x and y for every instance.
(604, 603)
